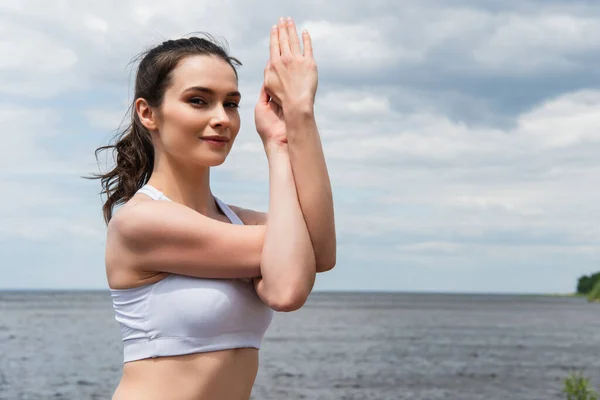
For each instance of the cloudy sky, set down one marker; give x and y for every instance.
(462, 136)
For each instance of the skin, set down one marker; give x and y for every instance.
(291, 78)
(281, 250)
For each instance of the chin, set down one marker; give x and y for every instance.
(210, 157)
(213, 160)
(216, 163)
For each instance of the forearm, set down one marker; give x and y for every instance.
(312, 183)
(288, 262)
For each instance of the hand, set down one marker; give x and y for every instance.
(268, 117)
(291, 76)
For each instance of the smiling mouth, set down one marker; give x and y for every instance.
(220, 139)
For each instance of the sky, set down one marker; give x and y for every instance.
(462, 137)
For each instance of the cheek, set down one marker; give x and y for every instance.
(237, 120)
(187, 117)
(180, 113)
(178, 129)
(235, 123)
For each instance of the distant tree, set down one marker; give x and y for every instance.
(594, 294)
(587, 283)
(584, 285)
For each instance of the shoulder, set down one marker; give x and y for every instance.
(249, 217)
(138, 208)
(131, 211)
(142, 216)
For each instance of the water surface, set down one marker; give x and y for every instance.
(66, 345)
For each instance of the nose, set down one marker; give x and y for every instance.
(220, 118)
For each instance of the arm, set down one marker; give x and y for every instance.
(287, 263)
(158, 236)
(312, 183)
(291, 79)
(313, 187)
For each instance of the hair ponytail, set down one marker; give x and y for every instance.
(134, 156)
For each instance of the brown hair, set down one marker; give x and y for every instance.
(133, 145)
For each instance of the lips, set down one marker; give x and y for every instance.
(215, 138)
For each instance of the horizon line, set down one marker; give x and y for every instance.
(328, 291)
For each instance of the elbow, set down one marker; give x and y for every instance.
(290, 290)
(290, 300)
(327, 263)
(287, 305)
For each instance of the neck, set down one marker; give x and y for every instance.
(185, 185)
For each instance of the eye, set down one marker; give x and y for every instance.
(232, 104)
(197, 101)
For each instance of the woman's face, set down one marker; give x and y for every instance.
(198, 120)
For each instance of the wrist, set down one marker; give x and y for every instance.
(298, 110)
(274, 148)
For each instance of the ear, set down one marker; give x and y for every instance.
(146, 114)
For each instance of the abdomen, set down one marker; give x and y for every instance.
(227, 374)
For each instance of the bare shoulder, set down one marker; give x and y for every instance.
(134, 212)
(249, 217)
(118, 261)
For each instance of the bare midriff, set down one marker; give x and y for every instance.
(219, 375)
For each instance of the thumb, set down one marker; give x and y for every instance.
(271, 97)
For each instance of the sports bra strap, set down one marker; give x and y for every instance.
(229, 212)
(152, 192)
(156, 194)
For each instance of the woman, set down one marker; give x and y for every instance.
(195, 281)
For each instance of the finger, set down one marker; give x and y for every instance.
(293, 35)
(272, 97)
(267, 68)
(263, 96)
(306, 40)
(274, 43)
(284, 42)
(274, 107)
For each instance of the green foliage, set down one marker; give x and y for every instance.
(577, 387)
(594, 294)
(587, 283)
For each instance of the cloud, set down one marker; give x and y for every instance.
(24, 130)
(567, 121)
(529, 44)
(461, 139)
(360, 46)
(107, 119)
(426, 140)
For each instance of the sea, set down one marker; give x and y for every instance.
(354, 346)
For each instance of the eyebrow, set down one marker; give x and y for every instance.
(210, 91)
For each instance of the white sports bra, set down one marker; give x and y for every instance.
(183, 315)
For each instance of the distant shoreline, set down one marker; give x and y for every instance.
(326, 292)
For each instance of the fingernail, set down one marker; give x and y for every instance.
(289, 19)
(281, 20)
